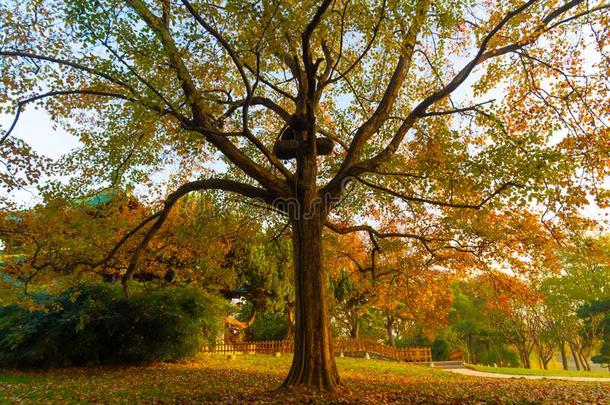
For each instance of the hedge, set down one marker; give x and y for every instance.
(96, 324)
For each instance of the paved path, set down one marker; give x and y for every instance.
(474, 373)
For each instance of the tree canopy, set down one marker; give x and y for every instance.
(476, 131)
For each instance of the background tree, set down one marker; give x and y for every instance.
(476, 325)
(56, 238)
(412, 298)
(351, 282)
(396, 286)
(601, 308)
(584, 278)
(261, 263)
(20, 168)
(152, 84)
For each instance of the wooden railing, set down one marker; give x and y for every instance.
(456, 355)
(253, 347)
(341, 345)
(410, 354)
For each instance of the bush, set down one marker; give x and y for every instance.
(97, 324)
(269, 327)
(500, 355)
(440, 350)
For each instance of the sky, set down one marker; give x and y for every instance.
(35, 127)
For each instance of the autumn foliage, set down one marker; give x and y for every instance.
(451, 138)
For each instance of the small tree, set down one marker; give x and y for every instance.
(603, 356)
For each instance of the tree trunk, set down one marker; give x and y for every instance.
(289, 322)
(354, 327)
(545, 355)
(584, 361)
(574, 356)
(525, 357)
(391, 336)
(526, 360)
(313, 364)
(389, 325)
(564, 358)
(472, 355)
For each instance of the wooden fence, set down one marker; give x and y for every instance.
(253, 347)
(456, 355)
(341, 345)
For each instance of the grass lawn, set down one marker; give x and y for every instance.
(252, 379)
(549, 373)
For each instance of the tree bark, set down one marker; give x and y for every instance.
(389, 325)
(289, 322)
(524, 361)
(564, 358)
(545, 355)
(574, 356)
(355, 327)
(525, 357)
(584, 361)
(313, 364)
(472, 354)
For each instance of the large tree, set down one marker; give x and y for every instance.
(264, 88)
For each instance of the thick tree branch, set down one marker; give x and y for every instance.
(223, 42)
(307, 105)
(160, 217)
(306, 38)
(382, 111)
(438, 203)
(201, 120)
(372, 231)
(482, 55)
(257, 100)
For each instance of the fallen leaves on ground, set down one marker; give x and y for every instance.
(254, 379)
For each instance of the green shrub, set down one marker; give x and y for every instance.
(97, 324)
(269, 327)
(440, 350)
(500, 355)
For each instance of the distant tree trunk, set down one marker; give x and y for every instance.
(289, 322)
(584, 361)
(525, 360)
(524, 354)
(354, 327)
(499, 356)
(574, 356)
(564, 358)
(472, 355)
(313, 363)
(389, 325)
(545, 354)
